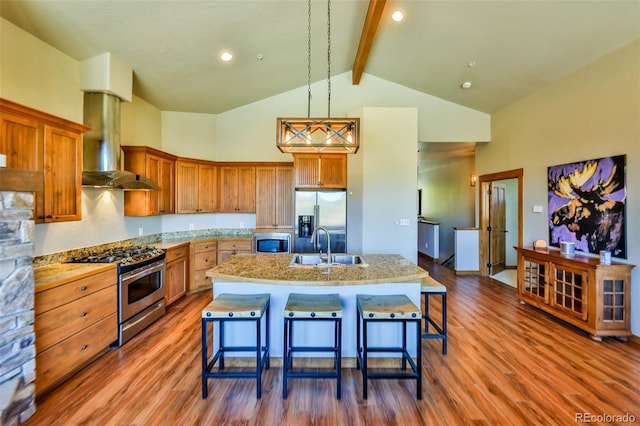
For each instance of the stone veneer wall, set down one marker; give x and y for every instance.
(17, 337)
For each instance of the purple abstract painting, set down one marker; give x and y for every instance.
(587, 203)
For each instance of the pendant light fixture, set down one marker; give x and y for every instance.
(326, 135)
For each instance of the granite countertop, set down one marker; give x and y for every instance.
(165, 240)
(53, 275)
(275, 269)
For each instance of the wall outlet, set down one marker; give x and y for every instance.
(140, 232)
(241, 224)
(405, 222)
(192, 227)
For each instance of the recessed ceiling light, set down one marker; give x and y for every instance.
(397, 15)
(226, 56)
(466, 85)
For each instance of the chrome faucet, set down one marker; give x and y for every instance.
(313, 235)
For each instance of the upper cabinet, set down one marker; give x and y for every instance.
(274, 196)
(160, 168)
(197, 186)
(237, 188)
(40, 142)
(325, 171)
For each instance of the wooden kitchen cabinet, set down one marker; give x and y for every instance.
(202, 257)
(37, 141)
(196, 186)
(274, 196)
(75, 322)
(231, 247)
(327, 171)
(177, 272)
(159, 167)
(237, 188)
(577, 289)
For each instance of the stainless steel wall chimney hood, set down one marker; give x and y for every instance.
(101, 147)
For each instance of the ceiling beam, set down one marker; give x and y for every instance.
(374, 13)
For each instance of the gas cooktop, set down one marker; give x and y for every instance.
(123, 255)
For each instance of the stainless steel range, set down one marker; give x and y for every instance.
(141, 286)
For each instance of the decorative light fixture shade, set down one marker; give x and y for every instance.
(327, 135)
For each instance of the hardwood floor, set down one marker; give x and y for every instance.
(507, 363)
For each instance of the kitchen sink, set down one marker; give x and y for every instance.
(321, 261)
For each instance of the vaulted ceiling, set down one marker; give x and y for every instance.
(506, 49)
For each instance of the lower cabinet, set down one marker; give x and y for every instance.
(75, 322)
(231, 247)
(577, 289)
(177, 272)
(203, 257)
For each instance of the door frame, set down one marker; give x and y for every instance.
(484, 182)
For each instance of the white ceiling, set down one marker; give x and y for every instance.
(172, 46)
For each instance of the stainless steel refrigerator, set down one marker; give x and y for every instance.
(320, 208)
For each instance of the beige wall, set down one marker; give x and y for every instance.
(141, 124)
(35, 74)
(382, 182)
(448, 198)
(248, 132)
(592, 113)
(189, 135)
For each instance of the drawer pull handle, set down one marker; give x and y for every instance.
(83, 288)
(83, 314)
(84, 347)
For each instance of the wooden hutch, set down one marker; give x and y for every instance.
(577, 289)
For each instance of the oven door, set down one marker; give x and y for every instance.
(141, 288)
(272, 242)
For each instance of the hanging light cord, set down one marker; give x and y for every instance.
(328, 58)
(309, 61)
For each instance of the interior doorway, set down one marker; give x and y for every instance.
(492, 219)
(497, 227)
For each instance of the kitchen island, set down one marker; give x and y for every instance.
(271, 273)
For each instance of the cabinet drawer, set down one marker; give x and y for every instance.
(235, 245)
(205, 246)
(201, 279)
(176, 253)
(205, 260)
(57, 324)
(65, 357)
(54, 297)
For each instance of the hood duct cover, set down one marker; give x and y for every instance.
(101, 147)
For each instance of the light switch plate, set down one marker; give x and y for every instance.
(537, 209)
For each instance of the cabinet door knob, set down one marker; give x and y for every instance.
(83, 314)
(83, 288)
(84, 347)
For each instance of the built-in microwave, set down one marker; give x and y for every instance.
(272, 242)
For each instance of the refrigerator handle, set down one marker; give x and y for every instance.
(316, 213)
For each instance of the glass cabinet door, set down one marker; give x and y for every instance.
(535, 281)
(569, 291)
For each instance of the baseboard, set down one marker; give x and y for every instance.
(426, 256)
(467, 272)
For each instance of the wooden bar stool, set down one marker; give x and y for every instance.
(428, 288)
(235, 307)
(372, 309)
(312, 308)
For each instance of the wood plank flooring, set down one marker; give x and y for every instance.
(507, 364)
